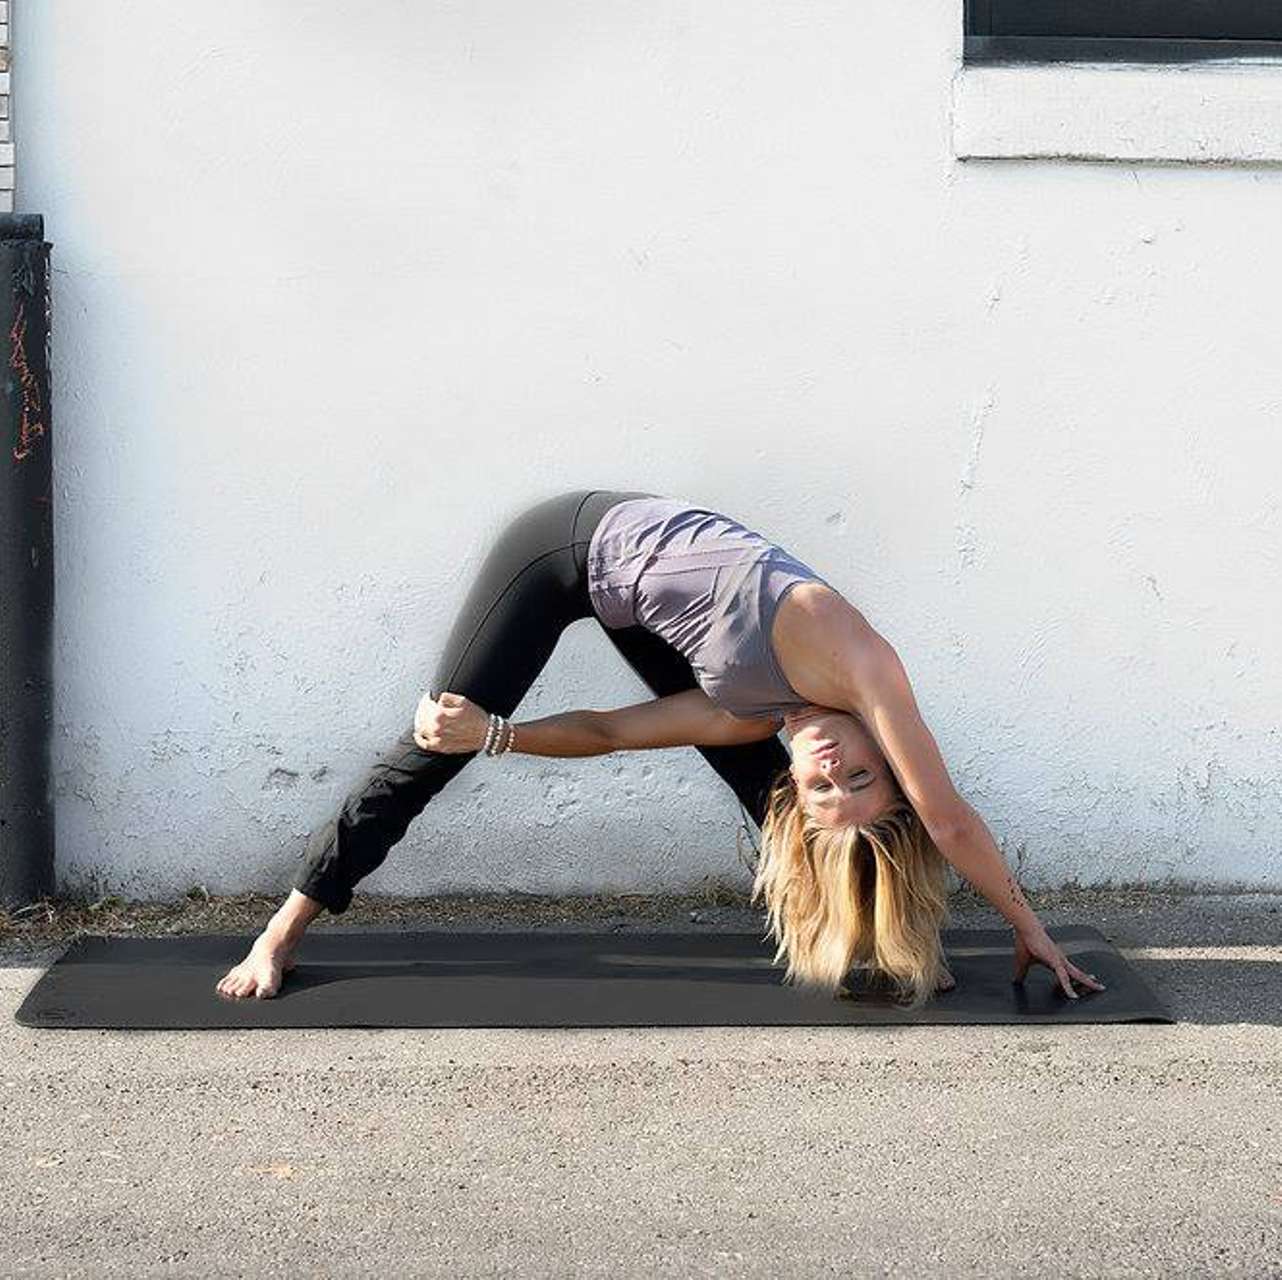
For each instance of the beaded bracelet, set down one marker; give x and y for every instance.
(501, 730)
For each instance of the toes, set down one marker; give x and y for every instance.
(235, 986)
(239, 985)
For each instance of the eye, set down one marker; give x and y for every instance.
(824, 786)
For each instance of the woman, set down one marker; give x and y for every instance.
(737, 639)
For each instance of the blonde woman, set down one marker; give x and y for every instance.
(737, 640)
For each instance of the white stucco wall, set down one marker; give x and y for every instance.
(338, 290)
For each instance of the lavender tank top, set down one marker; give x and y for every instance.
(707, 585)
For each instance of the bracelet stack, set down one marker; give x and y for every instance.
(500, 736)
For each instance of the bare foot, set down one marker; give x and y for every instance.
(259, 974)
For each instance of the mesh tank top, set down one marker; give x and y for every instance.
(707, 585)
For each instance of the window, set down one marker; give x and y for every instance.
(1120, 30)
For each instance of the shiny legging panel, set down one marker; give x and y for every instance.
(531, 586)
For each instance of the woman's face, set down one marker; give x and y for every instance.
(842, 777)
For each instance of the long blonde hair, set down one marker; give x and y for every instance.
(869, 896)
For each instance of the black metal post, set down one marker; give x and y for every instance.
(26, 566)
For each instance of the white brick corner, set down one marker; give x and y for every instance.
(1225, 113)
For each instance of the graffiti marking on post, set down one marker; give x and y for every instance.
(31, 427)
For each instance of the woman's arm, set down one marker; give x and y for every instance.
(686, 719)
(689, 718)
(880, 694)
(452, 722)
(883, 699)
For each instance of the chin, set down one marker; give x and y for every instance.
(810, 709)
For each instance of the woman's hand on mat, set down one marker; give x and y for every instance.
(1040, 948)
(450, 723)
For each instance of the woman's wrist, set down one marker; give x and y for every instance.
(498, 737)
(566, 734)
(1015, 907)
(1030, 926)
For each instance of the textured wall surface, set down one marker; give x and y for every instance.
(338, 291)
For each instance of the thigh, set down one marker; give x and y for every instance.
(748, 768)
(596, 503)
(525, 593)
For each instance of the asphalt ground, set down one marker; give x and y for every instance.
(1081, 1150)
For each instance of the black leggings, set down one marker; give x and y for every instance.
(532, 585)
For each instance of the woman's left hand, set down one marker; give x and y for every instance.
(1040, 948)
(450, 723)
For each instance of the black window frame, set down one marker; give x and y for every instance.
(1039, 31)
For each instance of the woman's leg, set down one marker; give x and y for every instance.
(748, 768)
(530, 587)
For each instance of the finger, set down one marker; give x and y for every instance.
(1086, 979)
(1066, 982)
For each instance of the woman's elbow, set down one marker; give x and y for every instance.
(950, 824)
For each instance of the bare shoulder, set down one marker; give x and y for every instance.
(819, 639)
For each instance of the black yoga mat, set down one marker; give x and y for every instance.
(444, 978)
